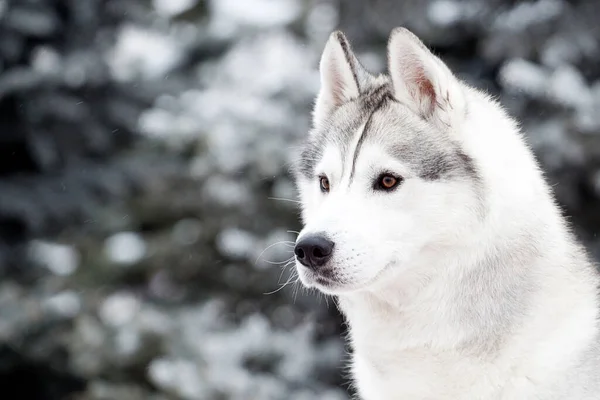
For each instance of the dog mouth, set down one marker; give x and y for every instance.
(327, 285)
(326, 274)
(325, 277)
(328, 280)
(325, 280)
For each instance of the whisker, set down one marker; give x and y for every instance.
(280, 262)
(295, 290)
(283, 199)
(280, 287)
(283, 270)
(285, 242)
(322, 296)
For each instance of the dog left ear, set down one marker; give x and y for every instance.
(422, 81)
(341, 77)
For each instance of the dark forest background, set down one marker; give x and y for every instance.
(145, 147)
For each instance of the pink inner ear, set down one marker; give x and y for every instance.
(426, 92)
(338, 88)
(339, 81)
(419, 87)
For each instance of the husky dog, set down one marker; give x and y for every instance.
(428, 218)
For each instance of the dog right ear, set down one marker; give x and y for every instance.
(422, 81)
(341, 74)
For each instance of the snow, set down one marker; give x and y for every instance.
(156, 122)
(227, 192)
(60, 259)
(568, 87)
(564, 85)
(239, 105)
(267, 64)
(46, 60)
(255, 13)
(119, 309)
(127, 342)
(170, 8)
(587, 118)
(178, 376)
(236, 243)
(65, 304)
(526, 14)
(125, 248)
(519, 75)
(321, 21)
(141, 53)
(445, 12)
(226, 350)
(553, 143)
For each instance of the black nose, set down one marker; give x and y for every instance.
(313, 251)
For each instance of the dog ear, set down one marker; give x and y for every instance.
(341, 77)
(422, 81)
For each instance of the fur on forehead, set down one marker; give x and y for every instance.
(380, 119)
(340, 126)
(430, 153)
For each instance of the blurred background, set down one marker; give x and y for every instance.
(146, 206)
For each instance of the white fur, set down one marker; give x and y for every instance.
(422, 81)
(453, 289)
(338, 83)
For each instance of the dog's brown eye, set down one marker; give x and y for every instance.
(387, 182)
(324, 184)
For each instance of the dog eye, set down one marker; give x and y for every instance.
(324, 182)
(387, 182)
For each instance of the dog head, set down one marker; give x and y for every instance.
(382, 176)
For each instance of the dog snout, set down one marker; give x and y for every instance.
(313, 251)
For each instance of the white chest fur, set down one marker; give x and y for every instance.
(421, 353)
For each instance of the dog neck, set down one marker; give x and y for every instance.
(460, 302)
(475, 305)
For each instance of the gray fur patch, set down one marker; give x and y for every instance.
(337, 131)
(428, 152)
(342, 125)
(373, 102)
(431, 162)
